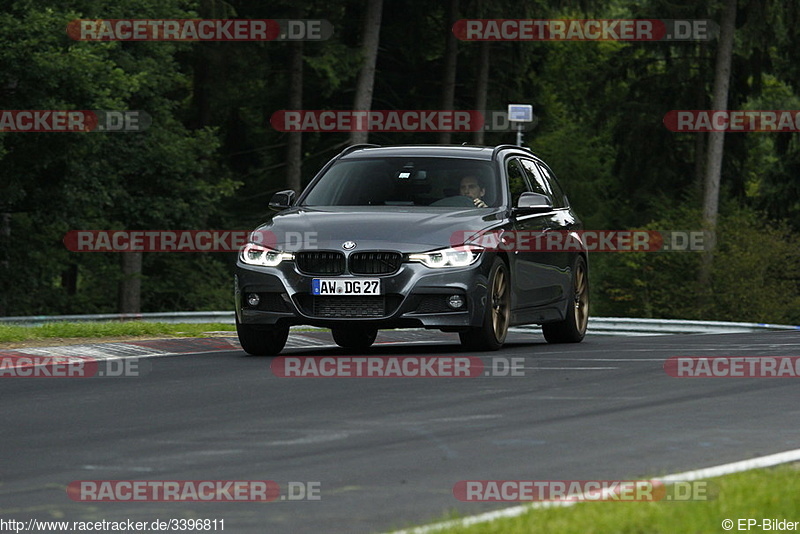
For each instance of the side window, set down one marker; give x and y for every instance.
(559, 198)
(537, 180)
(517, 179)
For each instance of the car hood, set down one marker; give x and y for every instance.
(404, 229)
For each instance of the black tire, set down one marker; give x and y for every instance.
(354, 338)
(262, 340)
(573, 328)
(492, 333)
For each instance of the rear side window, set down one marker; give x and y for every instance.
(518, 181)
(559, 198)
(538, 183)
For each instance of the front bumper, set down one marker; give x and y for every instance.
(414, 296)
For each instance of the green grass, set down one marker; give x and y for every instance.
(757, 494)
(13, 333)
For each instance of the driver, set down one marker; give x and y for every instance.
(472, 187)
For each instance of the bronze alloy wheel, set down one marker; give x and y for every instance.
(500, 305)
(573, 328)
(492, 333)
(581, 298)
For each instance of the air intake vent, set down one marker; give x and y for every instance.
(320, 262)
(375, 262)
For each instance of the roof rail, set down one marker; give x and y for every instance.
(351, 148)
(498, 148)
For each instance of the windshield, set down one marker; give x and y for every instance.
(437, 182)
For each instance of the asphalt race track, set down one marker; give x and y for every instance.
(386, 452)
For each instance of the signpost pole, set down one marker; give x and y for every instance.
(519, 113)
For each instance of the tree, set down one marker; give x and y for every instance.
(369, 53)
(166, 177)
(481, 88)
(294, 149)
(450, 66)
(716, 140)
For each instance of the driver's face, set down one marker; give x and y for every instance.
(470, 187)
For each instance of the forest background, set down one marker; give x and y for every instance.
(211, 159)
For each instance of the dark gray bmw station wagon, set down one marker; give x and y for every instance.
(394, 237)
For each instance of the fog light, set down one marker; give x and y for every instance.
(455, 301)
(253, 299)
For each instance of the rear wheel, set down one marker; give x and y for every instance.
(492, 333)
(573, 328)
(354, 338)
(262, 340)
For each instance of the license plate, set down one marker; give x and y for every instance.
(339, 286)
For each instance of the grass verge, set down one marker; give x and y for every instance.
(14, 333)
(758, 494)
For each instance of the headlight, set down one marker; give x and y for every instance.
(449, 257)
(253, 254)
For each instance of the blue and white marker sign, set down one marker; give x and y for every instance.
(520, 112)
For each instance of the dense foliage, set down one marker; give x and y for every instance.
(212, 160)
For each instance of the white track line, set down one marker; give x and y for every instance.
(698, 474)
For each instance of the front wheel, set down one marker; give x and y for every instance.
(262, 340)
(573, 328)
(354, 338)
(492, 333)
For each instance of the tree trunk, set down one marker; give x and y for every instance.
(130, 286)
(450, 62)
(716, 140)
(201, 82)
(700, 137)
(369, 54)
(294, 155)
(69, 279)
(5, 262)
(482, 89)
(699, 160)
(204, 61)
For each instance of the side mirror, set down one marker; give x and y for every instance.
(281, 200)
(533, 202)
